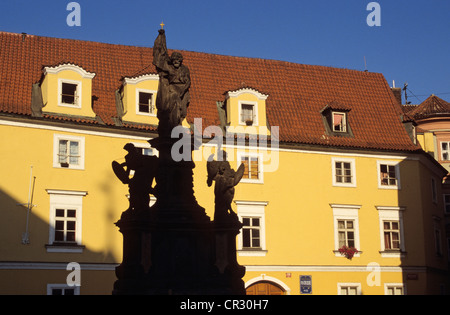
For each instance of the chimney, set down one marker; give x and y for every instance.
(398, 94)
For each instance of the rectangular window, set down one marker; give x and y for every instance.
(392, 242)
(388, 175)
(247, 114)
(251, 241)
(346, 227)
(251, 167)
(349, 289)
(65, 221)
(339, 122)
(391, 235)
(445, 151)
(65, 225)
(145, 103)
(343, 172)
(62, 289)
(433, 190)
(251, 233)
(447, 203)
(69, 93)
(68, 152)
(394, 289)
(346, 233)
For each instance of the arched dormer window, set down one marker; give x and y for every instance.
(138, 98)
(67, 89)
(246, 111)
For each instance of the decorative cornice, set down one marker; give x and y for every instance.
(255, 92)
(69, 66)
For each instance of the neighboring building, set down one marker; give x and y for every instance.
(432, 118)
(343, 168)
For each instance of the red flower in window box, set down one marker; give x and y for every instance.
(348, 252)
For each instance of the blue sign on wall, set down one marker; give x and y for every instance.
(305, 284)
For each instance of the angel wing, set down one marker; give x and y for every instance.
(212, 168)
(239, 173)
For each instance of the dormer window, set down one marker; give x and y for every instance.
(69, 93)
(145, 104)
(339, 122)
(336, 119)
(66, 89)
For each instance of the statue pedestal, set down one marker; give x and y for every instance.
(173, 247)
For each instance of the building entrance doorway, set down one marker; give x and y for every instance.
(265, 288)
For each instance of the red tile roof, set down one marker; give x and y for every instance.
(433, 106)
(297, 92)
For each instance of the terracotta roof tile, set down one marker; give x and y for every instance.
(296, 93)
(433, 106)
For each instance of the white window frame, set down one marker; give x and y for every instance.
(81, 148)
(388, 286)
(346, 212)
(387, 213)
(259, 156)
(343, 121)
(52, 286)
(352, 169)
(397, 174)
(153, 102)
(78, 96)
(65, 199)
(446, 151)
(255, 112)
(252, 209)
(342, 285)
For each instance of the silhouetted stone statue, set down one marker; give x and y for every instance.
(173, 96)
(140, 185)
(226, 179)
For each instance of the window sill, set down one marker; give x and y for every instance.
(392, 253)
(252, 252)
(64, 248)
(338, 254)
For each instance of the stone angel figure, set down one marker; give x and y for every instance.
(226, 179)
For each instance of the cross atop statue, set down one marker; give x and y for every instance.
(162, 25)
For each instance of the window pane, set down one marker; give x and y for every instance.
(60, 212)
(246, 238)
(62, 153)
(71, 213)
(70, 236)
(59, 225)
(56, 291)
(246, 221)
(59, 236)
(68, 95)
(71, 225)
(255, 221)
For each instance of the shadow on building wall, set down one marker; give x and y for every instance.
(27, 265)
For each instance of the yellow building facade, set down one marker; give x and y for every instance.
(299, 202)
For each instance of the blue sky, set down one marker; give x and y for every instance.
(411, 45)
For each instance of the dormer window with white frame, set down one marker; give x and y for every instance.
(145, 102)
(69, 93)
(339, 121)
